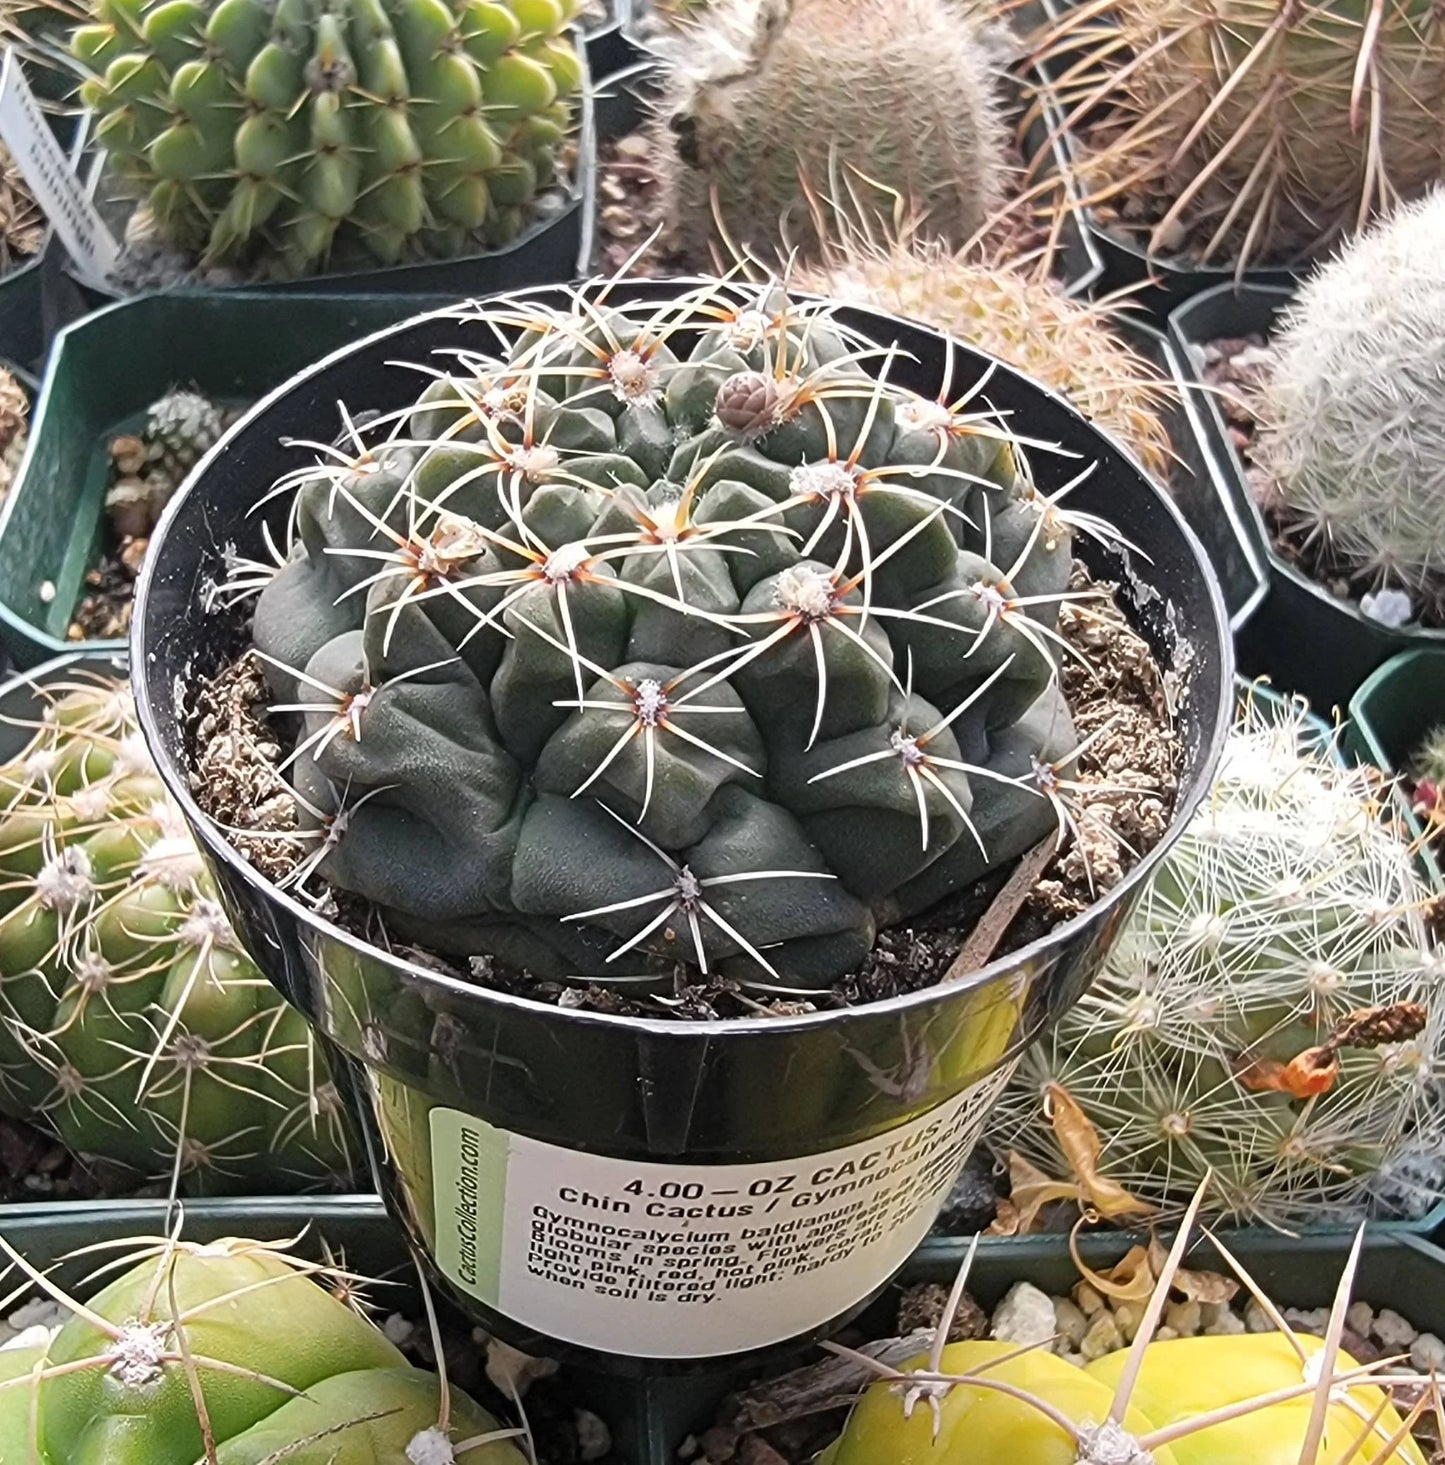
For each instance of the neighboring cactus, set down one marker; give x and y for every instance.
(1268, 131)
(772, 101)
(1353, 417)
(1270, 1016)
(1272, 1398)
(1025, 320)
(14, 416)
(611, 660)
(133, 1022)
(22, 226)
(303, 135)
(238, 1354)
(1429, 760)
(180, 428)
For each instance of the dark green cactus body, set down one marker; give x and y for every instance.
(299, 133)
(133, 1022)
(686, 642)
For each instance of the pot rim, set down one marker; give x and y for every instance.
(715, 1029)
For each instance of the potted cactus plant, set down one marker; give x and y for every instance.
(397, 148)
(1330, 451)
(590, 1063)
(136, 1027)
(1223, 142)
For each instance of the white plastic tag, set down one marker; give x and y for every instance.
(59, 192)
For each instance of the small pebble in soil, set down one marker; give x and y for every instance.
(1026, 1315)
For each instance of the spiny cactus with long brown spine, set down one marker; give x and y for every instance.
(1267, 129)
(131, 1019)
(299, 135)
(1352, 434)
(1270, 1016)
(773, 103)
(673, 636)
(1000, 306)
(232, 1353)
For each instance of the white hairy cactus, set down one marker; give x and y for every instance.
(1270, 1015)
(1354, 424)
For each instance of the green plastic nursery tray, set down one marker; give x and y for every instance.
(1390, 715)
(104, 372)
(651, 1419)
(36, 297)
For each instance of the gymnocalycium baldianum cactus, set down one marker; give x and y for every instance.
(673, 636)
(131, 1020)
(1270, 1015)
(231, 1353)
(299, 135)
(1353, 419)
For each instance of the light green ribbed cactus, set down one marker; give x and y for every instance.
(1270, 1016)
(676, 637)
(298, 135)
(131, 1020)
(237, 1354)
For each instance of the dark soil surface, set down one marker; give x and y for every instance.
(1118, 808)
(1238, 369)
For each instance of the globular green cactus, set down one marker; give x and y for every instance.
(1000, 307)
(237, 1354)
(775, 104)
(297, 135)
(1270, 1015)
(1264, 130)
(131, 1019)
(675, 637)
(1353, 418)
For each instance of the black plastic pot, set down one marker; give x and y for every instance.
(462, 1089)
(1302, 637)
(1391, 714)
(550, 250)
(36, 299)
(105, 371)
(610, 47)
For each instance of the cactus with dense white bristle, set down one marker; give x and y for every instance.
(131, 1019)
(774, 104)
(1224, 1035)
(1353, 419)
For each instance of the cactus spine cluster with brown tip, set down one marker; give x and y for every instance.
(775, 104)
(1266, 129)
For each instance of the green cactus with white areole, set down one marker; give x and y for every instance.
(301, 135)
(132, 1022)
(676, 637)
(1269, 1017)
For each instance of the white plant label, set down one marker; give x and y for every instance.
(688, 1261)
(40, 158)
